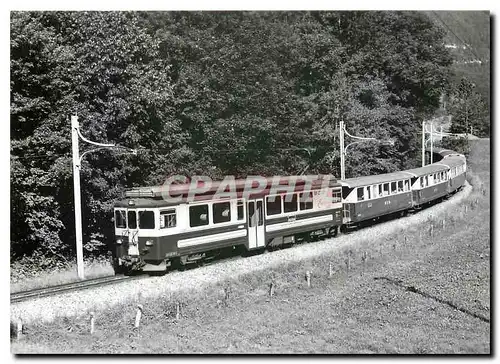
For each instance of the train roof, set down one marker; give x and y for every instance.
(184, 189)
(372, 180)
(453, 161)
(428, 169)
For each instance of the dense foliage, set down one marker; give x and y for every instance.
(205, 93)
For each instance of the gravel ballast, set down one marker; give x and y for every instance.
(76, 304)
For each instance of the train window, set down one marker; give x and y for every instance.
(168, 219)
(380, 193)
(407, 185)
(273, 205)
(369, 192)
(120, 219)
(221, 212)
(393, 187)
(336, 196)
(426, 181)
(132, 220)
(305, 200)
(421, 182)
(240, 206)
(360, 194)
(386, 189)
(290, 203)
(146, 220)
(198, 215)
(400, 186)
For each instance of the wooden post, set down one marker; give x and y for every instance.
(19, 332)
(138, 316)
(271, 289)
(177, 310)
(330, 269)
(92, 323)
(308, 278)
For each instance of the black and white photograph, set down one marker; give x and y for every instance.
(250, 182)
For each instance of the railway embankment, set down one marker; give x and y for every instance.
(442, 251)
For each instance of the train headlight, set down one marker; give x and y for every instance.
(119, 241)
(149, 242)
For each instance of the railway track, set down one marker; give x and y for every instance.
(70, 287)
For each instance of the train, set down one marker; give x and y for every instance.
(154, 233)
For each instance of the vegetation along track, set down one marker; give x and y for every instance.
(69, 287)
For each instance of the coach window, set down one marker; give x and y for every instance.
(306, 200)
(400, 186)
(198, 215)
(386, 189)
(393, 187)
(360, 194)
(273, 205)
(221, 212)
(375, 191)
(380, 192)
(290, 203)
(120, 219)
(241, 208)
(146, 220)
(168, 219)
(368, 192)
(407, 185)
(336, 196)
(132, 220)
(426, 181)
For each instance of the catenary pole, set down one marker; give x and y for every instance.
(432, 142)
(423, 143)
(77, 195)
(342, 152)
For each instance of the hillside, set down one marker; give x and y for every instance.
(468, 39)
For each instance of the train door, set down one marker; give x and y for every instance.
(133, 232)
(256, 234)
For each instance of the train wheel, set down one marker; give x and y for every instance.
(333, 231)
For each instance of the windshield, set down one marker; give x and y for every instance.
(120, 219)
(146, 220)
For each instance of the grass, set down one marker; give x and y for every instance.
(350, 312)
(93, 269)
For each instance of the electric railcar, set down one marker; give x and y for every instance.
(152, 232)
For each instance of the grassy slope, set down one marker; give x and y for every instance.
(336, 315)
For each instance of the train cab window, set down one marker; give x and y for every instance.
(290, 203)
(400, 186)
(146, 220)
(221, 212)
(306, 200)
(168, 219)
(120, 219)
(360, 194)
(198, 215)
(386, 189)
(393, 187)
(132, 220)
(273, 205)
(240, 206)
